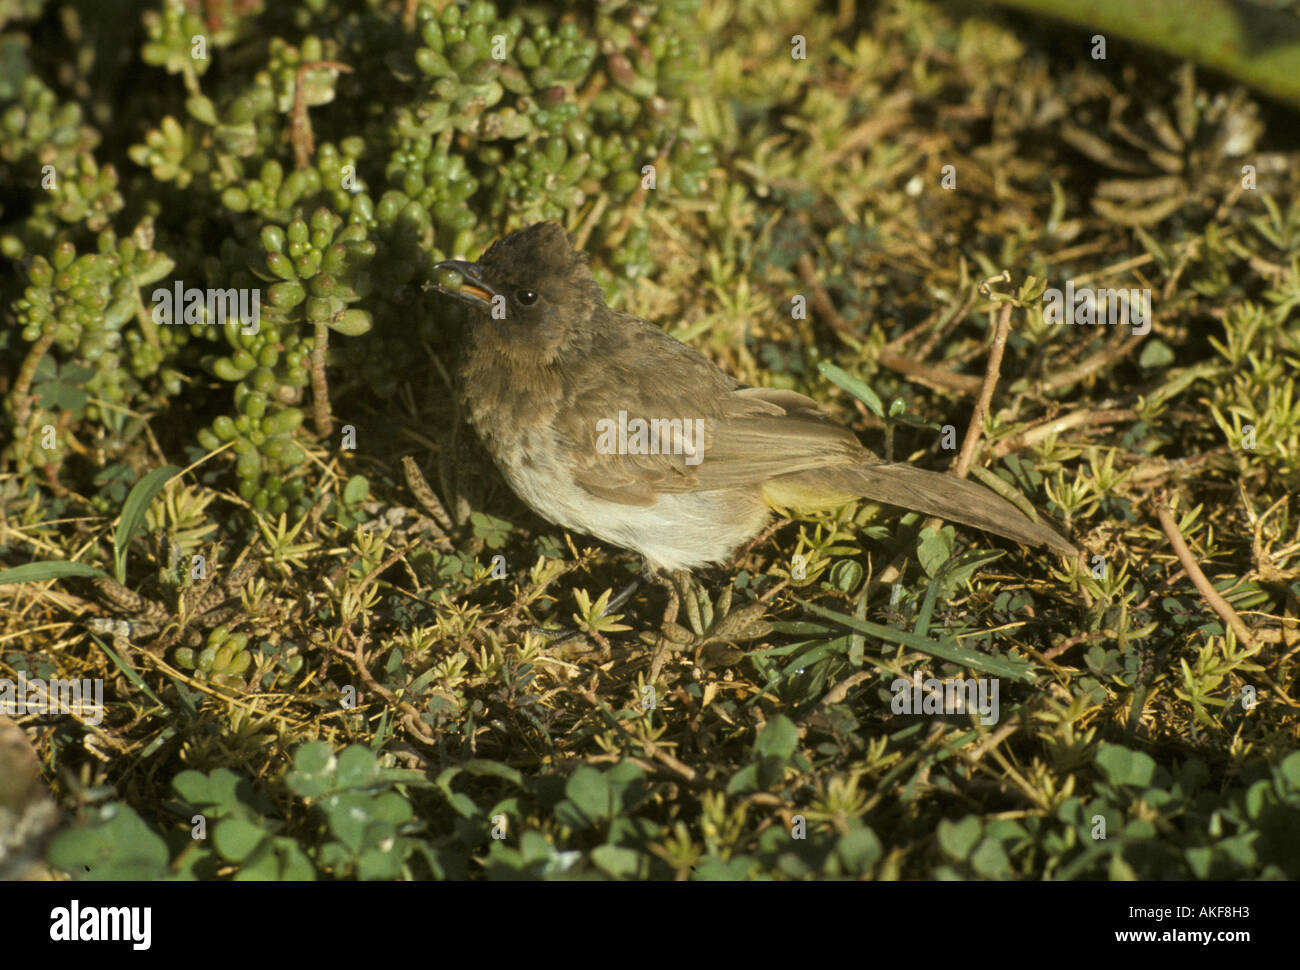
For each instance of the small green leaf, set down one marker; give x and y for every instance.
(778, 739)
(357, 767)
(846, 575)
(218, 788)
(314, 757)
(493, 769)
(1289, 770)
(313, 770)
(588, 789)
(854, 386)
(379, 864)
(493, 531)
(1199, 860)
(392, 808)
(735, 869)
(356, 490)
(1155, 355)
(934, 548)
(620, 863)
(237, 839)
(349, 813)
(1124, 767)
(202, 109)
(114, 845)
(859, 850)
(745, 780)
(957, 839)
(990, 860)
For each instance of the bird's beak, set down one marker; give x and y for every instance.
(473, 290)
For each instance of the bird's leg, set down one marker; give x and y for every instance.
(681, 590)
(565, 634)
(622, 596)
(671, 635)
(691, 598)
(674, 583)
(715, 627)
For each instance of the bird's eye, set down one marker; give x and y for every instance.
(526, 297)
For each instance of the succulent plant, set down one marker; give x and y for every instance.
(1166, 158)
(322, 170)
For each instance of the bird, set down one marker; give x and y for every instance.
(605, 425)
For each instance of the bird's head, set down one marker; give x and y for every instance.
(530, 289)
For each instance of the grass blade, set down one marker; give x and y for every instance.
(35, 572)
(994, 666)
(137, 503)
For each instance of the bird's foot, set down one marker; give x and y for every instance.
(714, 631)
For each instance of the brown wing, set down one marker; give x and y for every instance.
(750, 435)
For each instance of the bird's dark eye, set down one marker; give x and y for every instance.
(526, 297)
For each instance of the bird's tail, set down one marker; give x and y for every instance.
(914, 488)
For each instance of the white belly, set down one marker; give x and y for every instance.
(682, 530)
